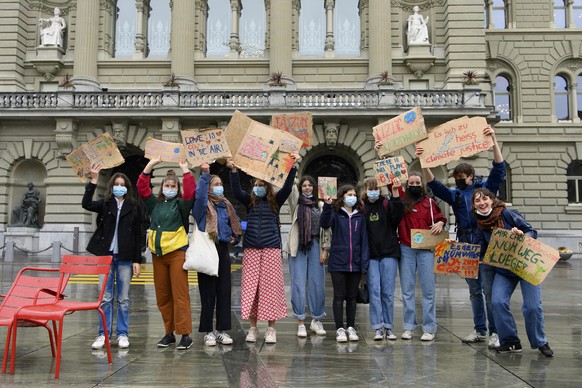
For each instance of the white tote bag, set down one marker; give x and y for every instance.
(201, 255)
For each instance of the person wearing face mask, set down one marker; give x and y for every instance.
(306, 258)
(420, 212)
(168, 241)
(459, 198)
(348, 256)
(118, 234)
(382, 219)
(216, 215)
(262, 286)
(491, 213)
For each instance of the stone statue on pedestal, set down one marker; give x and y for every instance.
(52, 30)
(27, 213)
(417, 31)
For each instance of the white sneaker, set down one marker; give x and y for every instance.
(427, 337)
(406, 335)
(271, 336)
(378, 335)
(390, 336)
(317, 327)
(252, 335)
(210, 339)
(352, 336)
(123, 342)
(340, 335)
(223, 338)
(474, 337)
(301, 331)
(494, 341)
(99, 342)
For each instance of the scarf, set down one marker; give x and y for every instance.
(494, 219)
(212, 217)
(304, 221)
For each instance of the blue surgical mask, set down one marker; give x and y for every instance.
(308, 196)
(119, 191)
(350, 200)
(218, 191)
(169, 194)
(260, 191)
(373, 195)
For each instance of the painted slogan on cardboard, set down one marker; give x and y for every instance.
(459, 258)
(453, 140)
(422, 239)
(299, 125)
(102, 149)
(205, 145)
(399, 132)
(167, 151)
(327, 185)
(385, 170)
(528, 258)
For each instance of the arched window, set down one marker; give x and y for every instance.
(498, 14)
(252, 29)
(505, 188)
(312, 28)
(579, 96)
(577, 12)
(125, 23)
(346, 27)
(574, 181)
(159, 29)
(560, 13)
(503, 97)
(218, 28)
(561, 98)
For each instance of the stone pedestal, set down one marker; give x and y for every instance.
(24, 238)
(419, 59)
(48, 60)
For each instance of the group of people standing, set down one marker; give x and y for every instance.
(359, 237)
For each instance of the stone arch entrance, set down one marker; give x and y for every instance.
(332, 166)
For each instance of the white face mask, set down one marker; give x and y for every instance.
(484, 214)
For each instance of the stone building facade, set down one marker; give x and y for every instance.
(150, 68)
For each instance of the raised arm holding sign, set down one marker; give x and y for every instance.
(399, 132)
(102, 150)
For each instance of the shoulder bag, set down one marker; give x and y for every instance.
(201, 255)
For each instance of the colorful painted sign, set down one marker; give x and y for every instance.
(102, 149)
(167, 151)
(326, 186)
(459, 258)
(422, 239)
(299, 125)
(453, 140)
(390, 168)
(399, 132)
(205, 145)
(528, 258)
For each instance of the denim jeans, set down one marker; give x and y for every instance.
(306, 270)
(503, 287)
(119, 278)
(381, 283)
(479, 288)
(411, 261)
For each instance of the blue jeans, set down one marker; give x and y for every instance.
(503, 287)
(477, 289)
(411, 261)
(119, 275)
(306, 270)
(381, 283)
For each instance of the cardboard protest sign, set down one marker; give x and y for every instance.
(453, 140)
(422, 239)
(528, 258)
(205, 145)
(389, 168)
(102, 149)
(237, 129)
(264, 153)
(399, 132)
(327, 186)
(168, 152)
(459, 258)
(299, 125)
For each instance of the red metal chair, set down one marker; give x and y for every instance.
(31, 286)
(56, 311)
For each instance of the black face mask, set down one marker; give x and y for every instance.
(461, 184)
(415, 191)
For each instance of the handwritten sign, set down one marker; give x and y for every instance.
(528, 258)
(237, 129)
(453, 140)
(299, 125)
(459, 258)
(205, 145)
(101, 150)
(327, 186)
(385, 170)
(168, 152)
(422, 239)
(399, 132)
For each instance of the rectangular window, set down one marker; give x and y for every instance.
(218, 28)
(312, 28)
(347, 28)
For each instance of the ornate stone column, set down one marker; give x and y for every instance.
(296, 9)
(329, 41)
(281, 37)
(182, 42)
(201, 9)
(86, 46)
(234, 42)
(141, 35)
(380, 38)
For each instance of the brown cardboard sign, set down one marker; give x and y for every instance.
(205, 145)
(388, 169)
(327, 186)
(400, 131)
(167, 151)
(459, 258)
(299, 125)
(422, 239)
(102, 149)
